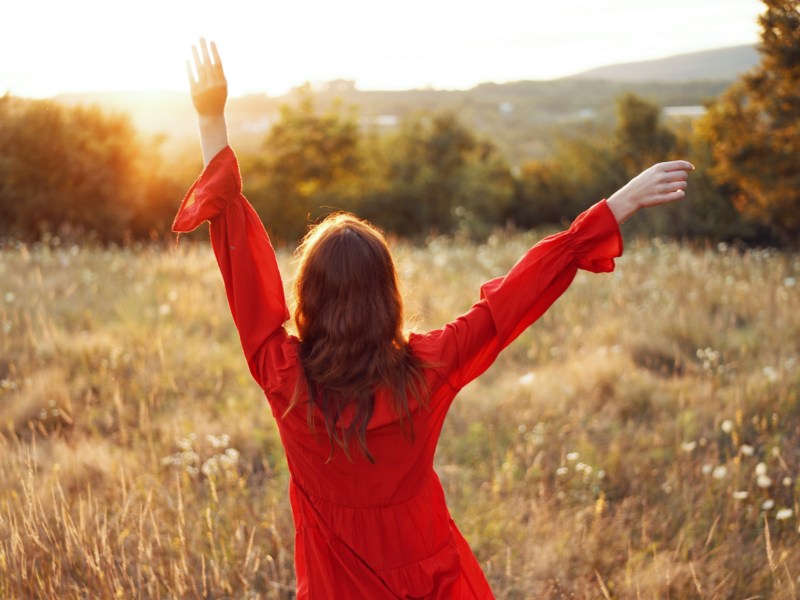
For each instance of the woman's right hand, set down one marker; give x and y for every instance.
(210, 88)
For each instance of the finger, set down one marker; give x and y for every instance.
(204, 49)
(198, 65)
(214, 51)
(669, 197)
(677, 165)
(217, 62)
(671, 176)
(190, 73)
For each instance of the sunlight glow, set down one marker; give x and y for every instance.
(88, 45)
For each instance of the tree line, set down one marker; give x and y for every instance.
(79, 171)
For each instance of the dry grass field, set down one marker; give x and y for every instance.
(642, 440)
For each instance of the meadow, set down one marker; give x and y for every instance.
(642, 440)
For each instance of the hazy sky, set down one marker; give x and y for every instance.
(51, 46)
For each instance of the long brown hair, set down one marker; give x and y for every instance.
(349, 317)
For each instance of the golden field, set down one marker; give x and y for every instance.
(642, 440)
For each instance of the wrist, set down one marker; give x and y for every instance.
(208, 121)
(622, 205)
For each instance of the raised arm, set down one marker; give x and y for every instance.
(209, 92)
(508, 305)
(242, 248)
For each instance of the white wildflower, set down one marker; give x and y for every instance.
(783, 514)
(164, 310)
(601, 474)
(747, 450)
(218, 442)
(720, 472)
(9, 297)
(527, 379)
(789, 281)
(727, 426)
(572, 456)
(580, 467)
(707, 468)
(561, 471)
(768, 504)
(210, 467)
(688, 446)
(761, 469)
(770, 373)
(787, 482)
(740, 495)
(764, 481)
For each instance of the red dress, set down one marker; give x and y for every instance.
(363, 530)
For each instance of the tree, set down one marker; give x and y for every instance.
(312, 165)
(640, 138)
(754, 128)
(435, 175)
(78, 170)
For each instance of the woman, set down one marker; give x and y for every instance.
(359, 407)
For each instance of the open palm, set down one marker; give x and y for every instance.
(210, 88)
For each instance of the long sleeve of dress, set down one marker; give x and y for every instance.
(508, 305)
(248, 265)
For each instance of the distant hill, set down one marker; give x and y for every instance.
(524, 118)
(718, 64)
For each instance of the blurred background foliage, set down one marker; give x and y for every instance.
(76, 171)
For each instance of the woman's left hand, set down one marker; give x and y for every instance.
(662, 183)
(210, 88)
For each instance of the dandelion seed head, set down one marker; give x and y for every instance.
(720, 472)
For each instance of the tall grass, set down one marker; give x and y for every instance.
(642, 440)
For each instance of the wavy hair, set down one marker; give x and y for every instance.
(349, 317)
